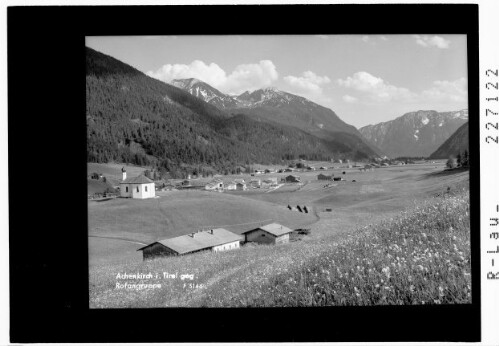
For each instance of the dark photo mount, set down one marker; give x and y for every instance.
(49, 284)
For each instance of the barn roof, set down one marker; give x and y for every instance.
(273, 228)
(141, 179)
(199, 241)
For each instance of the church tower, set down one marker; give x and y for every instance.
(123, 171)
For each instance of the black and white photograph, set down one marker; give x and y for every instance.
(188, 173)
(278, 170)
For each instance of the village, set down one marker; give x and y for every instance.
(272, 178)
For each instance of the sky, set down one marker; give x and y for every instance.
(364, 79)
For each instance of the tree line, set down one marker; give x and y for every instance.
(462, 159)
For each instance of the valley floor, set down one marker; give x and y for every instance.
(386, 196)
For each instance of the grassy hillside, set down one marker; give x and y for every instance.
(422, 256)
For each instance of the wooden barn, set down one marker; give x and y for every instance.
(273, 233)
(240, 184)
(217, 239)
(324, 177)
(292, 179)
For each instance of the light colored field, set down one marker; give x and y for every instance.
(180, 212)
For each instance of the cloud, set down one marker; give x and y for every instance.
(323, 37)
(375, 88)
(384, 38)
(432, 41)
(349, 99)
(251, 77)
(243, 77)
(456, 91)
(365, 38)
(308, 82)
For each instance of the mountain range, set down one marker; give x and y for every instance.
(272, 105)
(134, 118)
(414, 134)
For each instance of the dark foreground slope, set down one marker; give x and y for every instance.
(457, 143)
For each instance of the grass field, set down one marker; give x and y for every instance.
(415, 197)
(176, 213)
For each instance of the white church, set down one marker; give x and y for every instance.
(140, 187)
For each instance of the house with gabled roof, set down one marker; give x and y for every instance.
(217, 239)
(273, 233)
(231, 185)
(215, 185)
(292, 179)
(140, 187)
(240, 184)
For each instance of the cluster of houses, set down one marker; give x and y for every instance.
(142, 187)
(240, 184)
(216, 240)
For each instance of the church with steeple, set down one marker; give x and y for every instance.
(140, 187)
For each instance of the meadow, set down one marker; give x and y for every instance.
(398, 235)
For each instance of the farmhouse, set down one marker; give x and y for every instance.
(215, 185)
(269, 182)
(240, 184)
(292, 179)
(273, 233)
(232, 185)
(217, 239)
(139, 187)
(324, 177)
(255, 183)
